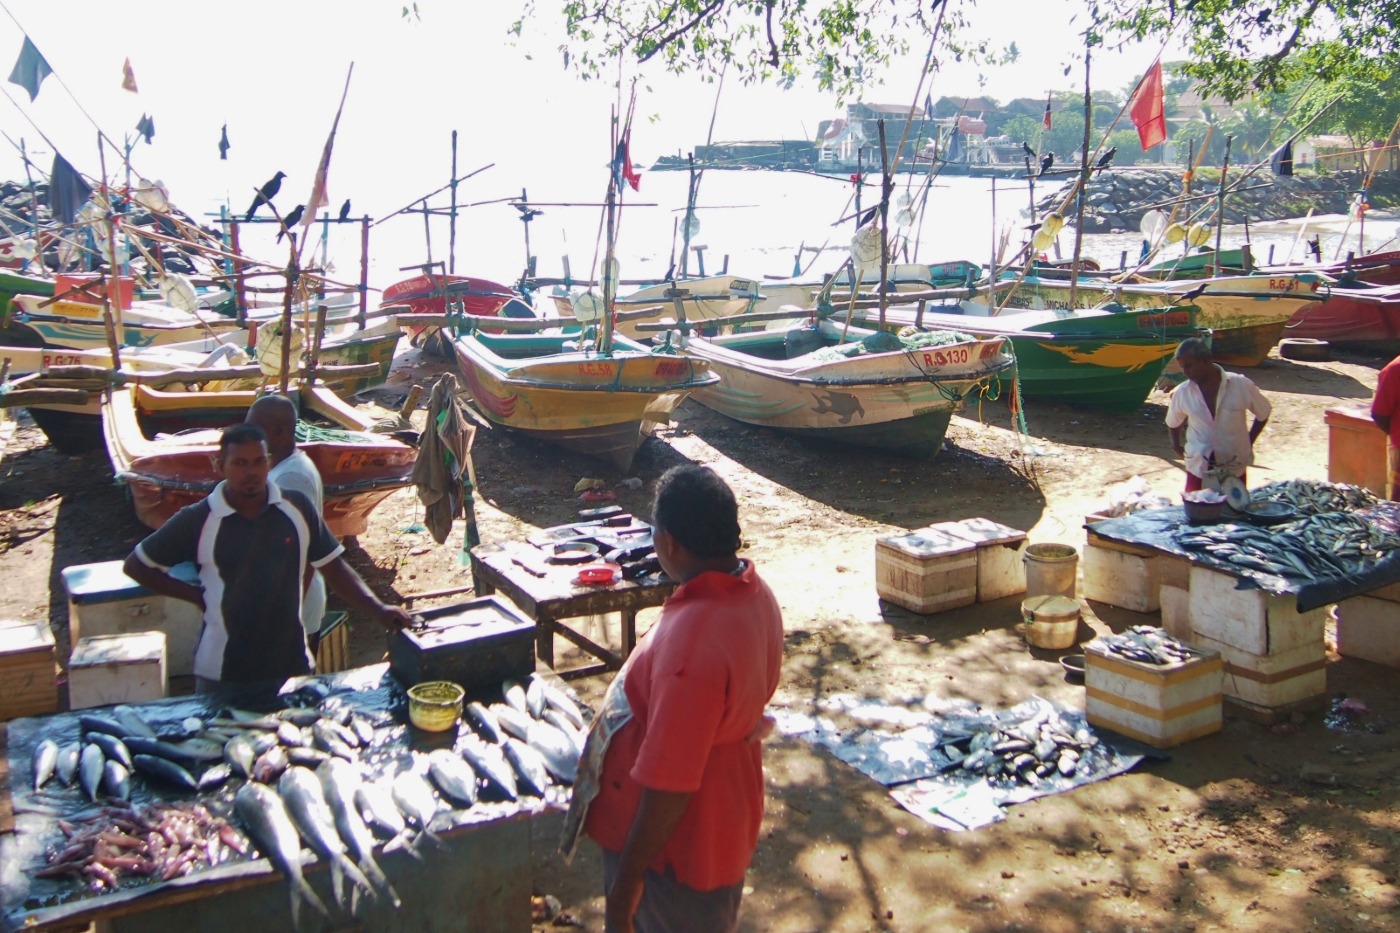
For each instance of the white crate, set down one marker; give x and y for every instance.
(1001, 571)
(104, 601)
(28, 674)
(1176, 611)
(106, 669)
(926, 571)
(1162, 705)
(1250, 620)
(1120, 575)
(1279, 679)
(1369, 629)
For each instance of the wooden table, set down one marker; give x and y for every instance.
(553, 597)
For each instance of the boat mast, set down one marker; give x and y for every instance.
(1083, 184)
(1220, 203)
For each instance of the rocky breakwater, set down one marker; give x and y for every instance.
(1116, 201)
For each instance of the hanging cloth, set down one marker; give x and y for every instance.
(443, 472)
(67, 190)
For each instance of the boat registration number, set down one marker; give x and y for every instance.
(1168, 319)
(60, 359)
(1282, 285)
(945, 357)
(603, 370)
(360, 460)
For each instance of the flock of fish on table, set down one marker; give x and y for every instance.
(303, 784)
(1330, 540)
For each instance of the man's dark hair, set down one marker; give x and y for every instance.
(1194, 347)
(696, 507)
(242, 433)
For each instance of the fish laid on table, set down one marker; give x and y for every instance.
(90, 767)
(270, 765)
(1025, 752)
(560, 702)
(114, 748)
(329, 737)
(132, 721)
(340, 782)
(376, 805)
(116, 780)
(301, 792)
(535, 701)
(453, 776)
(165, 771)
(45, 762)
(415, 801)
(490, 764)
(1148, 645)
(555, 750)
(512, 721)
(96, 722)
(485, 723)
(239, 754)
(515, 696)
(67, 764)
(529, 767)
(265, 818)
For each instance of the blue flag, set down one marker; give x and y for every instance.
(146, 127)
(30, 69)
(223, 143)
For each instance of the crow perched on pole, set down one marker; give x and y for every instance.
(1029, 151)
(1046, 161)
(266, 193)
(1106, 158)
(344, 211)
(291, 220)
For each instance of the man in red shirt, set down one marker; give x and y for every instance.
(1385, 412)
(680, 793)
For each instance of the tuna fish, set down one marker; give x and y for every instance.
(133, 722)
(90, 770)
(340, 782)
(453, 776)
(555, 750)
(376, 804)
(529, 767)
(299, 715)
(239, 754)
(45, 761)
(560, 701)
(93, 722)
(300, 790)
(535, 702)
(67, 764)
(326, 736)
(515, 696)
(265, 819)
(307, 757)
(363, 730)
(270, 765)
(488, 762)
(116, 780)
(215, 776)
(115, 749)
(512, 721)
(561, 722)
(165, 770)
(485, 723)
(414, 798)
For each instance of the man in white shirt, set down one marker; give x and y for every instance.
(293, 469)
(1207, 415)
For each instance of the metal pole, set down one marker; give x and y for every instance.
(427, 231)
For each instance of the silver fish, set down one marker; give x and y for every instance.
(115, 749)
(299, 715)
(90, 770)
(529, 767)
(363, 730)
(453, 776)
(560, 701)
(512, 720)
(330, 741)
(555, 750)
(116, 780)
(239, 754)
(300, 790)
(270, 765)
(515, 696)
(415, 801)
(162, 769)
(45, 761)
(67, 764)
(490, 764)
(215, 776)
(265, 819)
(340, 783)
(535, 702)
(485, 723)
(132, 720)
(376, 805)
(342, 732)
(561, 722)
(199, 749)
(307, 757)
(289, 734)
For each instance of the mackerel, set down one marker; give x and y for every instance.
(306, 805)
(376, 804)
(453, 776)
(529, 766)
(116, 780)
(485, 723)
(514, 695)
(115, 749)
(341, 782)
(45, 761)
(555, 750)
(67, 763)
(163, 769)
(558, 700)
(265, 819)
(535, 702)
(488, 762)
(133, 722)
(512, 721)
(414, 798)
(239, 754)
(90, 770)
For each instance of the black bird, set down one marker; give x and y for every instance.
(1192, 295)
(344, 211)
(1027, 146)
(266, 193)
(1106, 158)
(1046, 161)
(291, 220)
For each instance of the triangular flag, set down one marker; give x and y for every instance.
(146, 127)
(67, 190)
(928, 106)
(223, 143)
(30, 69)
(1147, 107)
(128, 77)
(319, 198)
(1046, 119)
(622, 167)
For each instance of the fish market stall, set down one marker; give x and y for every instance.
(192, 812)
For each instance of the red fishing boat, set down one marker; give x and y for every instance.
(431, 293)
(1363, 314)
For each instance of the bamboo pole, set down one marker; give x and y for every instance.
(111, 301)
(886, 189)
(1083, 186)
(364, 270)
(452, 223)
(285, 375)
(1220, 203)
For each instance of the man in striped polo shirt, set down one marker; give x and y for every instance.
(255, 546)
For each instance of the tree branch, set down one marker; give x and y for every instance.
(710, 8)
(772, 45)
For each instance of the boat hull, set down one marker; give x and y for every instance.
(358, 471)
(1352, 316)
(900, 401)
(595, 405)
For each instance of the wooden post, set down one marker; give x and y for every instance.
(1220, 203)
(452, 214)
(886, 189)
(317, 338)
(285, 375)
(364, 271)
(1083, 186)
(240, 297)
(111, 302)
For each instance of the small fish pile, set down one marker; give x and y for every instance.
(157, 840)
(1025, 753)
(1146, 644)
(1312, 497)
(1329, 544)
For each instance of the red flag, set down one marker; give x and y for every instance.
(128, 77)
(1148, 108)
(1046, 121)
(623, 172)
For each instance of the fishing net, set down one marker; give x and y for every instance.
(307, 433)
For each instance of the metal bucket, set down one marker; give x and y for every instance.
(1051, 569)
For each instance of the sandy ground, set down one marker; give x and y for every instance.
(1289, 827)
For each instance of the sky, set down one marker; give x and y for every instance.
(274, 73)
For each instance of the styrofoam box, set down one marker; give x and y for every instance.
(128, 668)
(926, 571)
(1369, 629)
(1121, 576)
(104, 601)
(1289, 676)
(28, 674)
(1254, 621)
(1176, 611)
(1000, 570)
(1160, 704)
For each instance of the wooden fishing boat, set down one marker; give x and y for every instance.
(1095, 358)
(79, 325)
(162, 445)
(1246, 314)
(899, 400)
(1364, 315)
(432, 293)
(555, 387)
(15, 283)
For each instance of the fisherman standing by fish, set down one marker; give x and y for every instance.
(1385, 412)
(677, 766)
(254, 546)
(1206, 416)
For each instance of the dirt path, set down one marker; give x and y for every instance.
(1292, 827)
